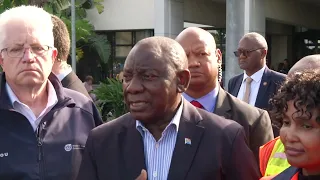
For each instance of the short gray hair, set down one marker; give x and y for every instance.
(32, 16)
(257, 38)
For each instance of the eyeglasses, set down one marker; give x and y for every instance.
(246, 53)
(18, 52)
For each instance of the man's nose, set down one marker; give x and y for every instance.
(27, 55)
(242, 55)
(193, 61)
(134, 86)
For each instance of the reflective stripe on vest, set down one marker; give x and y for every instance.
(277, 161)
(295, 177)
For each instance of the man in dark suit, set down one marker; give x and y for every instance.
(263, 82)
(163, 133)
(61, 68)
(204, 61)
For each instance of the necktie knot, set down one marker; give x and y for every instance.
(197, 104)
(249, 80)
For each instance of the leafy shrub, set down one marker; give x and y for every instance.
(110, 99)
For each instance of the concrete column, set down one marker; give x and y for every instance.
(243, 16)
(168, 17)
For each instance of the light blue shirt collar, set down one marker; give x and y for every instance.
(208, 101)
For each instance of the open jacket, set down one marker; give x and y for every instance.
(54, 151)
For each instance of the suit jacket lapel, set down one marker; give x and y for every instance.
(237, 86)
(264, 84)
(183, 153)
(68, 80)
(222, 107)
(133, 150)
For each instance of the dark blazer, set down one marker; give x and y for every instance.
(256, 122)
(115, 150)
(270, 83)
(71, 81)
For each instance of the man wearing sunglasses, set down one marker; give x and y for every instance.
(258, 83)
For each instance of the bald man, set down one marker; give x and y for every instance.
(308, 62)
(258, 83)
(164, 136)
(204, 59)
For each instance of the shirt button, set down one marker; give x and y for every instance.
(154, 174)
(157, 145)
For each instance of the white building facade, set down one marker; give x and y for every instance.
(291, 27)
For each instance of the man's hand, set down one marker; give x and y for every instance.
(143, 175)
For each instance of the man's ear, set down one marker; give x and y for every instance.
(219, 56)
(183, 80)
(263, 53)
(54, 54)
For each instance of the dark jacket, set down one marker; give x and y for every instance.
(219, 151)
(256, 122)
(72, 81)
(270, 83)
(55, 151)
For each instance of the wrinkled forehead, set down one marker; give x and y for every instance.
(194, 41)
(146, 57)
(19, 32)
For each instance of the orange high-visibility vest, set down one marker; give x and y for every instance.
(272, 158)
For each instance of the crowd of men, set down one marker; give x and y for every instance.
(182, 124)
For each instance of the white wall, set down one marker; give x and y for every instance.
(123, 14)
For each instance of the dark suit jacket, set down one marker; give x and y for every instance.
(270, 83)
(71, 81)
(256, 122)
(115, 150)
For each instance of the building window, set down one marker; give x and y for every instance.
(122, 51)
(122, 42)
(123, 38)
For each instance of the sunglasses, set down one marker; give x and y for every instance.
(246, 53)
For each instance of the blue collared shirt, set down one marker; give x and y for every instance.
(208, 101)
(158, 154)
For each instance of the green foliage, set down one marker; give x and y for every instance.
(110, 99)
(100, 43)
(84, 29)
(99, 6)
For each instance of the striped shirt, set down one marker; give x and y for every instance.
(158, 154)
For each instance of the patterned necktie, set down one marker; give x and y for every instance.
(246, 96)
(197, 104)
